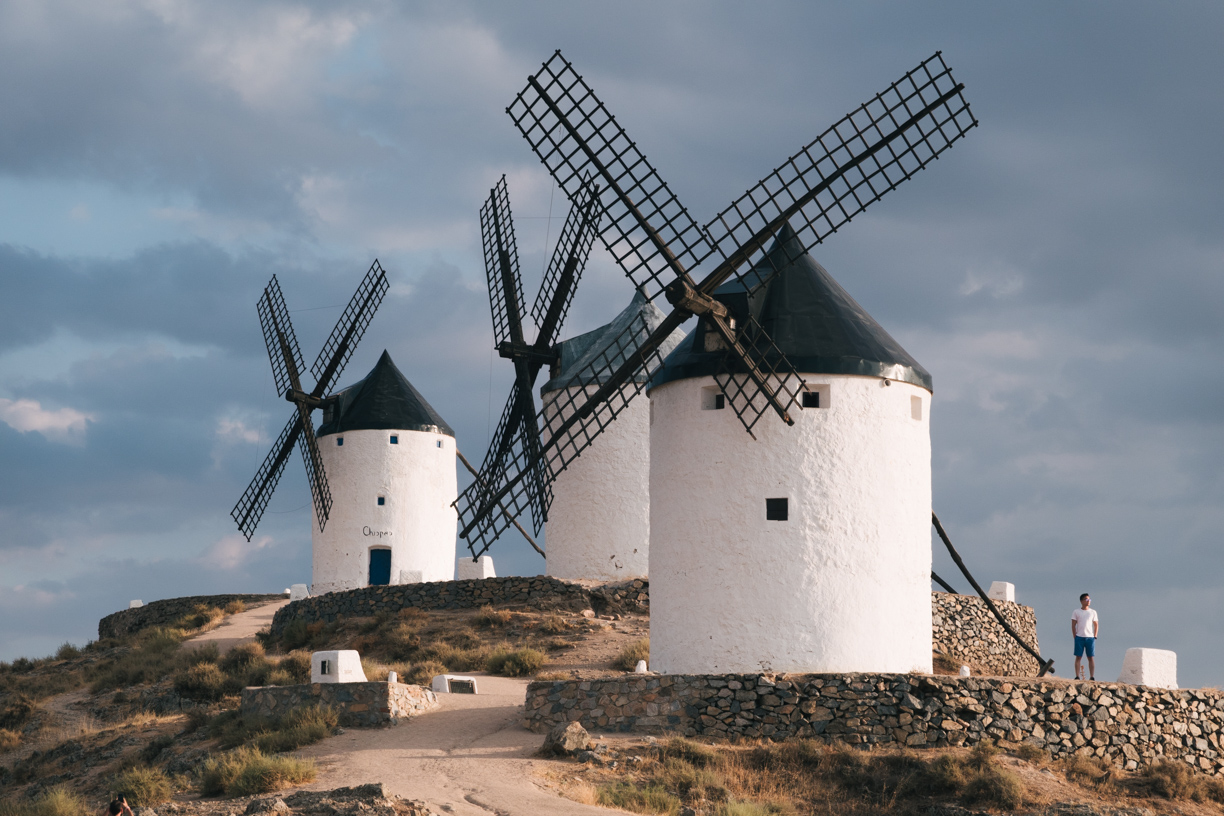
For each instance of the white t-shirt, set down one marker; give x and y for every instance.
(1084, 620)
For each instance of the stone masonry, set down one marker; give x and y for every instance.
(540, 591)
(964, 632)
(167, 611)
(358, 704)
(1125, 725)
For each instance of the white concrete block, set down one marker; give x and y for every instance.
(343, 666)
(640, 668)
(1002, 591)
(467, 568)
(1149, 667)
(411, 576)
(135, 604)
(964, 671)
(454, 684)
(298, 591)
(392, 677)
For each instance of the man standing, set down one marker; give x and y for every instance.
(1084, 628)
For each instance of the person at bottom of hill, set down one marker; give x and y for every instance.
(1084, 628)
(119, 806)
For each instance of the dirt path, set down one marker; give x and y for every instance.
(237, 628)
(470, 757)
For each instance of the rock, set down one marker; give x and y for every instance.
(271, 805)
(566, 739)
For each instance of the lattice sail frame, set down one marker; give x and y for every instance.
(502, 265)
(299, 430)
(866, 154)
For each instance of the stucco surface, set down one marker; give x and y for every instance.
(599, 524)
(418, 480)
(1150, 667)
(843, 585)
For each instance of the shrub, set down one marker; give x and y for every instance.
(297, 665)
(235, 606)
(249, 771)
(294, 635)
(55, 802)
(553, 625)
(422, 674)
(994, 787)
(143, 786)
(1171, 779)
(374, 671)
(302, 726)
(488, 616)
(631, 654)
(652, 799)
(694, 753)
(67, 652)
(457, 658)
(8, 740)
(202, 653)
(203, 681)
(942, 775)
(16, 712)
(1030, 753)
(516, 663)
(1084, 770)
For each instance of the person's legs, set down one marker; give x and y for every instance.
(1079, 654)
(1090, 651)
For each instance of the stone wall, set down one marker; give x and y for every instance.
(161, 613)
(539, 591)
(1126, 725)
(963, 631)
(358, 704)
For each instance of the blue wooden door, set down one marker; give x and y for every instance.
(380, 567)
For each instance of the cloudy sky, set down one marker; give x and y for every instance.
(1058, 271)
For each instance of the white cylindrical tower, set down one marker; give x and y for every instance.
(806, 549)
(598, 525)
(390, 464)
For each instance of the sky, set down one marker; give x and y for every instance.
(1058, 271)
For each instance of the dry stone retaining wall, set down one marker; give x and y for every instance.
(1123, 724)
(964, 631)
(358, 704)
(161, 613)
(540, 591)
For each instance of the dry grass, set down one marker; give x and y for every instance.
(248, 771)
(235, 606)
(143, 786)
(8, 740)
(1170, 779)
(802, 777)
(631, 654)
(515, 662)
(488, 616)
(55, 802)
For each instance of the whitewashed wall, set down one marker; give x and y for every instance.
(599, 523)
(418, 524)
(843, 585)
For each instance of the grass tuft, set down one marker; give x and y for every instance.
(9, 740)
(652, 799)
(515, 662)
(143, 786)
(248, 771)
(55, 802)
(631, 654)
(488, 616)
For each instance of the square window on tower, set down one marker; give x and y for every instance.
(811, 399)
(382, 500)
(339, 441)
(439, 443)
(777, 510)
(394, 439)
(712, 399)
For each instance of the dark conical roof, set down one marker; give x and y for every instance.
(578, 353)
(811, 318)
(383, 400)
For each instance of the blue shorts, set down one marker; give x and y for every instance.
(1085, 645)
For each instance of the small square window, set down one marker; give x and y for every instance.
(339, 441)
(439, 443)
(325, 667)
(382, 500)
(720, 402)
(811, 399)
(776, 510)
(394, 439)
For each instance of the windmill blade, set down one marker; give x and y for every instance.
(502, 266)
(349, 329)
(568, 260)
(250, 508)
(776, 384)
(278, 335)
(647, 230)
(866, 154)
(516, 442)
(571, 422)
(319, 491)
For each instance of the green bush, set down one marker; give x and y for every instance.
(294, 635)
(516, 662)
(203, 681)
(248, 771)
(994, 787)
(631, 654)
(297, 666)
(67, 652)
(17, 711)
(422, 674)
(302, 726)
(143, 786)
